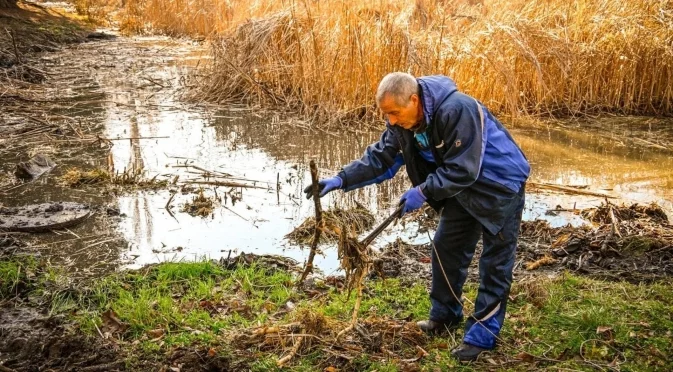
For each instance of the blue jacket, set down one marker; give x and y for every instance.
(475, 158)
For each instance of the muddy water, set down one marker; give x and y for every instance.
(155, 131)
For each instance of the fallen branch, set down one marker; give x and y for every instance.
(571, 190)
(223, 183)
(133, 138)
(318, 223)
(292, 352)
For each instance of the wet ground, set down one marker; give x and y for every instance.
(128, 91)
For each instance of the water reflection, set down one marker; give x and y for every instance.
(160, 135)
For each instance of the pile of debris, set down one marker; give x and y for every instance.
(400, 259)
(633, 243)
(356, 220)
(200, 206)
(310, 331)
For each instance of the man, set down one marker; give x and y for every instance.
(464, 163)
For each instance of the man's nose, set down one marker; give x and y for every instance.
(392, 120)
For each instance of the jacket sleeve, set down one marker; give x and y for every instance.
(380, 162)
(465, 140)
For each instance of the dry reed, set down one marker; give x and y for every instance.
(356, 221)
(200, 205)
(76, 177)
(518, 57)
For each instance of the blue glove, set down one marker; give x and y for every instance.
(412, 200)
(326, 185)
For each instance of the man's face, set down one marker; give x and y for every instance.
(404, 116)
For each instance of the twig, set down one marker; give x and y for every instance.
(292, 353)
(133, 138)
(201, 169)
(356, 307)
(568, 189)
(16, 49)
(168, 204)
(152, 81)
(223, 183)
(318, 223)
(232, 211)
(611, 234)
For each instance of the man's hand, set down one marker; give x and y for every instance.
(412, 200)
(326, 185)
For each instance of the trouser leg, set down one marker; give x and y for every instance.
(454, 242)
(495, 272)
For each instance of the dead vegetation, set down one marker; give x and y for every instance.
(633, 242)
(532, 58)
(355, 221)
(379, 337)
(401, 259)
(76, 177)
(607, 212)
(200, 205)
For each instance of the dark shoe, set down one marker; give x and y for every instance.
(467, 352)
(435, 328)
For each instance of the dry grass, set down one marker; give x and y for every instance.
(76, 177)
(200, 206)
(356, 221)
(326, 58)
(97, 11)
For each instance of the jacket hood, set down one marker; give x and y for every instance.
(434, 90)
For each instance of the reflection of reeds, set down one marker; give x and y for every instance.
(515, 56)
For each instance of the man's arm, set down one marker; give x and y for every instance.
(465, 138)
(380, 162)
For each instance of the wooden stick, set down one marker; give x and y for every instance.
(134, 138)
(372, 235)
(229, 184)
(571, 190)
(292, 353)
(318, 223)
(356, 306)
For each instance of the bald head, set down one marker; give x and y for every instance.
(400, 86)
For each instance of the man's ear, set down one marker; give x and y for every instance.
(415, 99)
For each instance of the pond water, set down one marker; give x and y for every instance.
(129, 89)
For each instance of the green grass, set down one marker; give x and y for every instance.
(186, 300)
(388, 298)
(14, 275)
(571, 322)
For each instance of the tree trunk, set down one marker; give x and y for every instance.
(8, 3)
